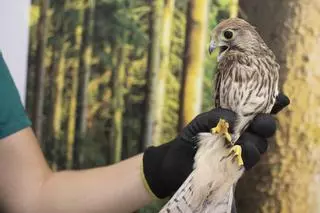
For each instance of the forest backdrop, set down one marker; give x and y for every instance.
(107, 78)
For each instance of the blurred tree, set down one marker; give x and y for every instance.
(127, 108)
(155, 17)
(34, 17)
(288, 179)
(233, 8)
(57, 77)
(75, 37)
(118, 102)
(70, 134)
(161, 76)
(171, 103)
(37, 114)
(193, 63)
(84, 74)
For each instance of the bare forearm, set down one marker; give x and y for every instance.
(28, 185)
(117, 188)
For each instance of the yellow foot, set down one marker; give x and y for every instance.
(222, 128)
(236, 152)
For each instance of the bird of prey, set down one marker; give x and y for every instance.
(246, 82)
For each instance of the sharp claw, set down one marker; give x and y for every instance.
(228, 136)
(222, 128)
(236, 151)
(214, 130)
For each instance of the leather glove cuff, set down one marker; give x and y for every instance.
(152, 161)
(166, 167)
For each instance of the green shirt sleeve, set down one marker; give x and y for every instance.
(12, 113)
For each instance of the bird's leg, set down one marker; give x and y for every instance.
(222, 128)
(235, 152)
(234, 138)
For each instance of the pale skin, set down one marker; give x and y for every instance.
(28, 185)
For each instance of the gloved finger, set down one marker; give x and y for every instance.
(216, 114)
(250, 155)
(204, 122)
(281, 102)
(260, 143)
(252, 147)
(263, 125)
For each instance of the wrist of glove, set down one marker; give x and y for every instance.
(167, 166)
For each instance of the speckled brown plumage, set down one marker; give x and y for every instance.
(247, 75)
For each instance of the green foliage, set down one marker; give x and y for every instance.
(34, 15)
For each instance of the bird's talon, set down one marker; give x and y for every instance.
(222, 128)
(215, 130)
(228, 137)
(236, 152)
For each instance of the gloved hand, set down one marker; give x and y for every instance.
(167, 166)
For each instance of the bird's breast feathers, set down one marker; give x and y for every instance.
(247, 84)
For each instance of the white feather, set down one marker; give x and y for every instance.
(209, 187)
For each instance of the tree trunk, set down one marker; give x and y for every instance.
(118, 105)
(55, 113)
(84, 74)
(37, 115)
(71, 117)
(287, 180)
(152, 68)
(48, 145)
(31, 66)
(72, 92)
(128, 113)
(193, 61)
(58, 82)
(233, 8)
(161, 76)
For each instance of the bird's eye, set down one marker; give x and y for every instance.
(228, 34)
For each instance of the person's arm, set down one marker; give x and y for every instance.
(28, 185)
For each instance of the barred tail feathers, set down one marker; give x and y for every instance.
(215, 171)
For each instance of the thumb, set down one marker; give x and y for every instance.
(281, 102)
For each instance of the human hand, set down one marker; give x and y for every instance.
(167, 166)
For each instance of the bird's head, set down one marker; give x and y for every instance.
(234, 35)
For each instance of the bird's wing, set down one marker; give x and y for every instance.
(181, 201)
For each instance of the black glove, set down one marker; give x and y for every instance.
(167, 166)
(254, 141)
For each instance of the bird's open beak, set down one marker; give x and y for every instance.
(212, 46)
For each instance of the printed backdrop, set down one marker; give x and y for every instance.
(14, 18)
